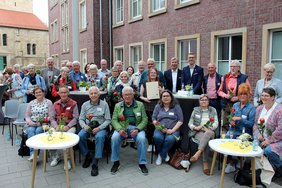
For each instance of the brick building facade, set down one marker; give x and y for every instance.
(216, 30)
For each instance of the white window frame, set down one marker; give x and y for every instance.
(162, 65)
(116, 50)
(159, 10)
(184, 62)
(83, 58)
(131, 58)
(131, 9)
(54, 31)
(82, 16)
(115, 12)
(184, 3)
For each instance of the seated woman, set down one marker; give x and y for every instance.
(37, 110)
(169, 114)
(124, 80)
(270, 134)
(203, 122)
(93, 78)
(242, 120)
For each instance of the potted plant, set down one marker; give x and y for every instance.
(83, 86)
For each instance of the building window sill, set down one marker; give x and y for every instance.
(158, 12)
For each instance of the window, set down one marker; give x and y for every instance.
(158, 53)
(82, 15)
(83, 59)
(64, 12)
(118, 53)
(185, 45)
(4, 39)
(118, 12)
(135, 9)
(56, 60)
(34, 49)
(228, 48)
(28, 48)
(276, 52)
(135, 54)
(185, 3)
(54, 32)
(228, 45)
(65, 27)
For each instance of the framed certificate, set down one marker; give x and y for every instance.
(152, 90)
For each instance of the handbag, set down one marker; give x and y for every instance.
(244, 177)
(177, 157)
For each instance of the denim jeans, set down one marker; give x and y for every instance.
(99, 142)
(273, 158)
(140, 140)
(31, 131)
(163, 142)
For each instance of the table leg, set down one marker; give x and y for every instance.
(34, 163)
(253, 172)
(72, 159)
(44, 160)
(213, 162)
(66, 167)
(223, 171)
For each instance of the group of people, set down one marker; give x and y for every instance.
(131, 114)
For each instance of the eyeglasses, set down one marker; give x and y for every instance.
(204, 100)
(265, 96)
(234, 66)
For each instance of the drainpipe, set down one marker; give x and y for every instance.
(101, 32)
(75, 31)
(110, 31)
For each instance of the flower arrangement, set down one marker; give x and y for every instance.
(105, 81)
(62, 122)
(123, 122)
(209, 123)
(230, 116)
(42, 120)
(92, 122)
(159, 126)
(188, 87)
(83, 84)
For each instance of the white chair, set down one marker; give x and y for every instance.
(10, 112)
(20, 120)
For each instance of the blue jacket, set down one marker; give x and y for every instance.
(82, 76)
(39, 82)
(196, 79)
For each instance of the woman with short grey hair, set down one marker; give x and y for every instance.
(268, 81)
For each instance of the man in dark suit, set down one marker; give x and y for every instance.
(193, 74)
(173, 76)
(50, 74)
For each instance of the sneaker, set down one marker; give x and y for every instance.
(69, 165)
(159, 160)
(115, 167)
(167, 158)
(55, 161)
(150, 148)
(229, 168)
(30, 158)
(87, 161)
(143, 169)
(94, 171)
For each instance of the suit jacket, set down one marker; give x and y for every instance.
(44, 74)
(169, 82)
(196, 79)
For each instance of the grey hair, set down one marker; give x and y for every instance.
(50, 59)
(94, 87)
(127, 88)
(124, 72)
(93, 66)
(151, 59)
(237, 62)
(269, 66)
(30, 66)
(17, 66)
(65, 69)
(204, 95)
(76, 63)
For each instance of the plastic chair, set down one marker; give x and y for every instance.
(10, 112)
(20, 120)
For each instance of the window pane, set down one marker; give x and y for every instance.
(34, 49)
(236, 47)
(4, 39)
(223, 48)
(185, 47)
(278, 71)
(276, 45)
(28, 49)
(223, 67)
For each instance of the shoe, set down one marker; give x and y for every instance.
(69, 165)
(159, 160)
(143, 169)
(238, 164)
(87, 161)
(167, 158)
(206, 169)
(30, 157)
(229, 168)
(115, 167)
(124, 144)
(150, 148)
(94, 171)
(55, 161)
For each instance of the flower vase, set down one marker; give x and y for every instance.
(50, 137)
(83, 89)
(62, 135)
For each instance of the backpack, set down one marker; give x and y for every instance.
(24, 149)
(244, 177)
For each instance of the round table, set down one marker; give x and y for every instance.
(40, 141)
(217, 146)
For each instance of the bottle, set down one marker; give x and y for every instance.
(243, 130)
(255, 143)
(182, 87)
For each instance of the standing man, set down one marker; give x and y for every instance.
(228, 89)
(49, 75)
(69, 65)
(129, 121)
(173, 76)
(64, 108)
(193, 74)
(103, 70)
(94, 120)
(211, 84)
(136, 76)
(76, 75)
(118, 65)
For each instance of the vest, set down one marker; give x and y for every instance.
(198, 113)
(67, 110)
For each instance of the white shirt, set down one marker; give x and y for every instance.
(174, 80)
(191, 69)
(265, 114)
